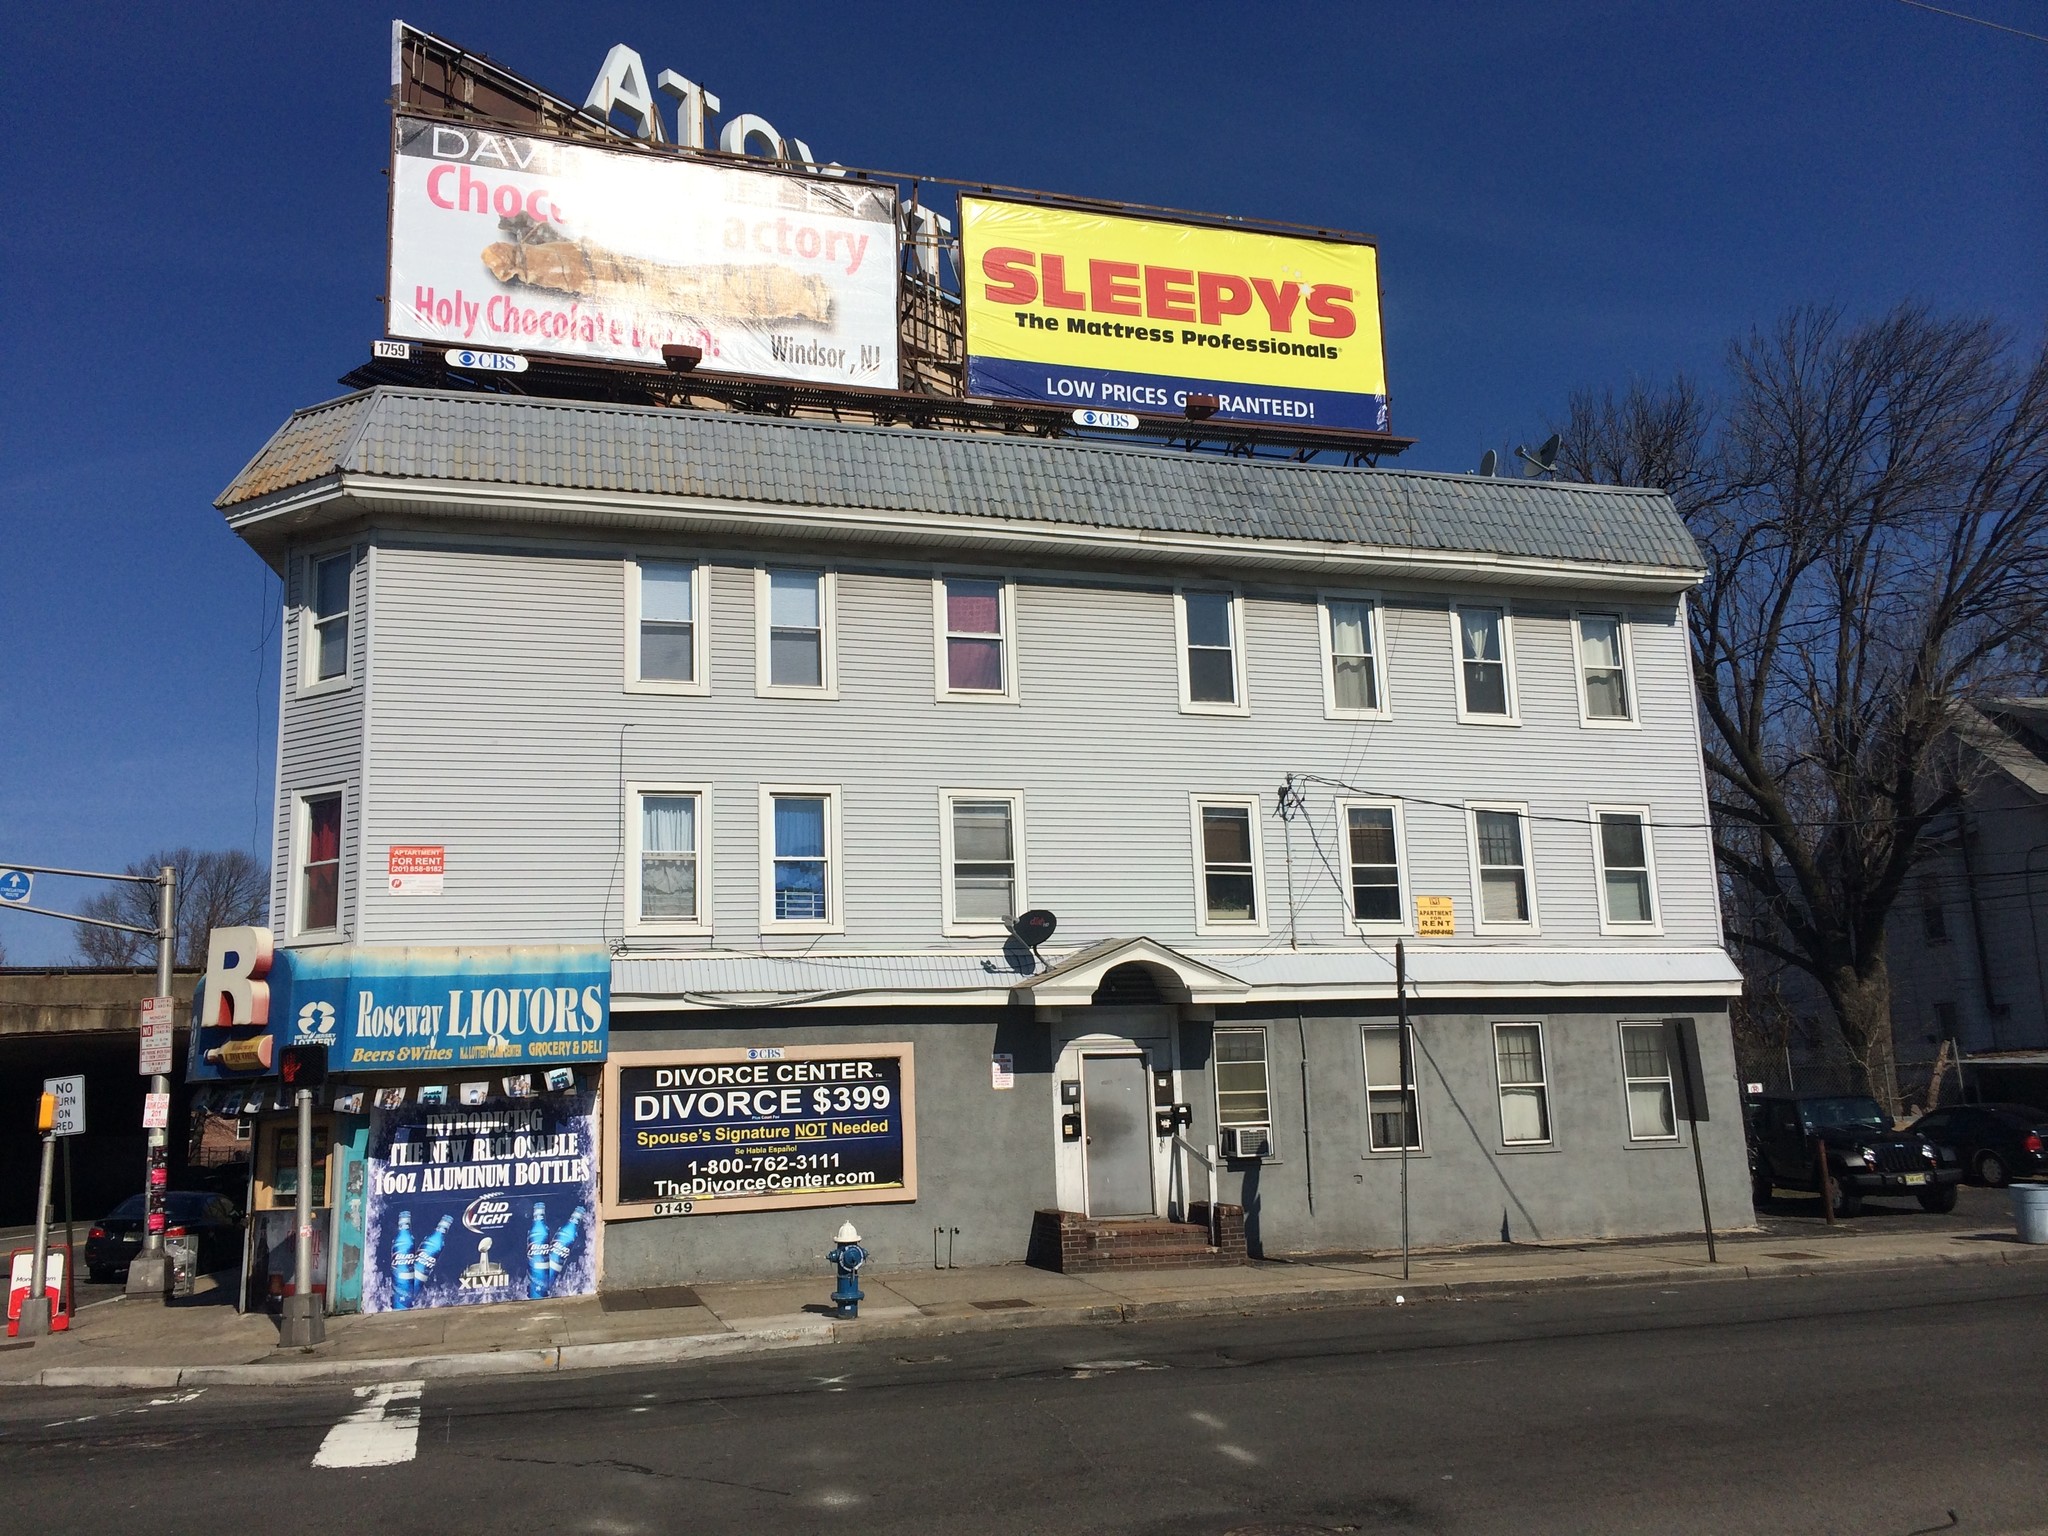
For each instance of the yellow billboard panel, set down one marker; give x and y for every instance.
(1115, 313)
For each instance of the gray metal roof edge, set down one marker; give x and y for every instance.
(355, 398)
(377, 394)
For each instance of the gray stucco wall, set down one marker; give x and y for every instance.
(1465, 1185)
(986, 1157)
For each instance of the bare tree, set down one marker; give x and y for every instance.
(1872, 505)
(215, 890)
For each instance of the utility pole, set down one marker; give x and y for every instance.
(149, 1273)
(1407, 1076)
(304, 1323)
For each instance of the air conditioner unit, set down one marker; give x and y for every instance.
(1248, 1141)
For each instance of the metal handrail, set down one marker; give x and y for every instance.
(1182, 1144)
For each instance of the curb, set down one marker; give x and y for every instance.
(745, 1341)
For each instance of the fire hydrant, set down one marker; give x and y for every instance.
(847, 1258)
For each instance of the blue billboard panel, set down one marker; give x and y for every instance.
(474, 1204)
(420, 1009)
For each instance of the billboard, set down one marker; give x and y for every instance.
(471, 1204)
(524, 244)
(401, 1009)
(1104, 311)
(760, 1128)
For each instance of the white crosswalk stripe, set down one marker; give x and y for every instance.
(384, 1432)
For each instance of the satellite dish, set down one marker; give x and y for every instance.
(1544, 459)
(1033, 928)
(1489, 463)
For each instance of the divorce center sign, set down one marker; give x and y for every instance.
(760, 1128)
(537, 245)
(1117, 313)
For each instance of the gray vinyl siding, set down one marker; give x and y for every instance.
(320, 733)
(501, 729)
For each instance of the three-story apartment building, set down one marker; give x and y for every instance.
(795, 719)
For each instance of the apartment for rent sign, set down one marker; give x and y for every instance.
(1128, 314)
(760, 1128)
(525, 244)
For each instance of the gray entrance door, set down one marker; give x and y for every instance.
(1116, 1118)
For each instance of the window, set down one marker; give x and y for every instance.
(1486, 678)
(1501, 867)
(1933, 921)
(1211, 655)
(1646, 1078)
(1604, 697)
(1621, 842)
(984, 875)
(1351, 676)
(1373, 853)
(1227, 844)
(1524, 1092)
(1390, 1106)
(799, 879)
(794, 634)
(668, 630)
(327, 652)
(1241, 1087)
(973, 622)
(669, 843)
(317, 868)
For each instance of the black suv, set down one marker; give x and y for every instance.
(1865, 1155)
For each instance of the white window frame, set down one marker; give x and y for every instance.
(295, 881)
(828, 640)
(700, 626)
(834, 920)
(1669, 1079)
(636, 922)
(309, 679)
(1204, 924)
(942, 690)
(1420, 1145)
(1265, 1062)
(1632, 721)
(1479, 922)
(1376, 633)
(1405, 923)
(1507, 657)
(1189, 705)
(1608, 926)
(952, 926)
(1549, 1139)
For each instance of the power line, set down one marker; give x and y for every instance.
(1922, 5)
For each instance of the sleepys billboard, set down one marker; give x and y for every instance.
(1127, 314)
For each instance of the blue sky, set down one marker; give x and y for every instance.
(1563, 194)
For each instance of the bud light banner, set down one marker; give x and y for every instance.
(760, 1128)
(491, 1203)
(399, 1009)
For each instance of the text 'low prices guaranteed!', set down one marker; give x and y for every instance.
(762, 1128)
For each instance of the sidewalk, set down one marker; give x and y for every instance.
(202, 1342)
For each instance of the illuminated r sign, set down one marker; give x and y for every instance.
(236, 996)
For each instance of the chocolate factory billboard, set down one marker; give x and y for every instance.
(525, 244)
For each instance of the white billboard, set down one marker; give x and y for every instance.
(537, 245)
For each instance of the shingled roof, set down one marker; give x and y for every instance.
(430, 435)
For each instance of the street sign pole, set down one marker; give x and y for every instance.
(149, 1273)
(304, 1324)
(35, 1307)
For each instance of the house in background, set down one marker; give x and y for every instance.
(1966, 946)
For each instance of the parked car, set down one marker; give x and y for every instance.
(1865, 1155)
(1993, 1142)
(117, 1237)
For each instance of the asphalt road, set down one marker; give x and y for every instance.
(1871, 1405)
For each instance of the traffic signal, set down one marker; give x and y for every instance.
(302, 1066)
